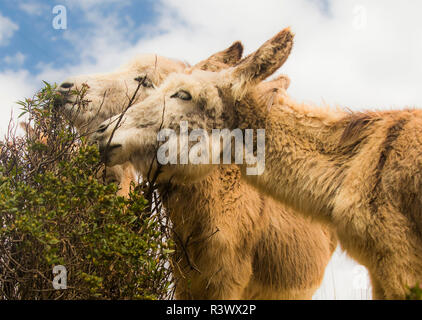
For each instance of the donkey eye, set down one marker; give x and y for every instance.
(145, 82)
(182, 94)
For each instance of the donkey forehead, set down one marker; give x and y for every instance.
(195, 83)
(156, 67)
(200, 84)
(152, 62)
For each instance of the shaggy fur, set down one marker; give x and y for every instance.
(232, 242)
(359, 173)
(267, 254)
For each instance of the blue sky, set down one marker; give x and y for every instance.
(358, 54)
(39, 42)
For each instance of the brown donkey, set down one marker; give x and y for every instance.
(357, 172)
(235, 243)
(270, 254)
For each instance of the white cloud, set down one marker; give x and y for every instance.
(14, 86)
(7, 29)
(89, 4)
(33, 8)
(377, 66)
(17, 60)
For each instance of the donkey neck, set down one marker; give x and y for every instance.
(305, 161)
(198, 201)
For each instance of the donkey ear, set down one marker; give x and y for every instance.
(270, 90)
(265, 61)
(280, 82)
(223, 59)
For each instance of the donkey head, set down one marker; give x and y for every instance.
(109, 94)
(196, 101)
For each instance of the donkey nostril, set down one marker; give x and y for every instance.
(66, 85)
(102, 128)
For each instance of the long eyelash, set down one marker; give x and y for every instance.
(182, 94)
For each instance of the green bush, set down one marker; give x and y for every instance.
(414, 293)
(55, 211)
